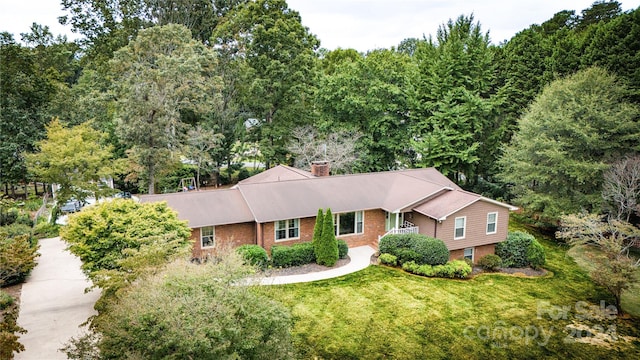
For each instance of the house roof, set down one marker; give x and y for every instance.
(390, 191)
(205, 208)
(278, 173)
(451, 202)
(284, 192)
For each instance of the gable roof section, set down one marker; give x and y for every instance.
(451, 202)
(206, 208)
(278, 173)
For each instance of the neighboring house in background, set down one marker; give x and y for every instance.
(279, 205)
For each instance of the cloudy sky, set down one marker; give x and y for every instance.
(358, 24)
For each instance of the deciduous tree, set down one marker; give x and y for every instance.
(159, 75)
(337, 147)
(621, 188)
(281, 59)
(617, 270)
(75, 158)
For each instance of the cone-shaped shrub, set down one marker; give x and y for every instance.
(326, 248)
(317, 229)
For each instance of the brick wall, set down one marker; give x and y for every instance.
(478, 252)
(232, 235)
(373, 227)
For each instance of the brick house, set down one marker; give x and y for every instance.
(279, 205)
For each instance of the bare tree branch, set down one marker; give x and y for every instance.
(621, 188)
(339, 148)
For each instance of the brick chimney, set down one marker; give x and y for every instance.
(320, 168)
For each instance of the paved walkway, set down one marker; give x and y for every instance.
(360, 259)
(53, 303)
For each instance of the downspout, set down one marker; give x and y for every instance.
(435, 228)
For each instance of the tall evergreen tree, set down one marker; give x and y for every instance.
(326, 249)
(454, 119)
(317, 228)
(576, 127)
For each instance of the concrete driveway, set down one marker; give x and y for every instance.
(53, 303)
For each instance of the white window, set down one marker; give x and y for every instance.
(492, 222)
(207, 237)
(468, 253)
(349, 223)
(459, 229)
(287, 229)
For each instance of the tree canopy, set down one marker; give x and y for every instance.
(571, 133)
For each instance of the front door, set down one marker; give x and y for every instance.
(390, 220)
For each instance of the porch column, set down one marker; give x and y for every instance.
(397, 220)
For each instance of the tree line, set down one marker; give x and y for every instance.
(210, 83)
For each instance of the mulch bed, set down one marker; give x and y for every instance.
(305, 269)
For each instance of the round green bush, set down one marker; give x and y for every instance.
(432, 251)
(513, 251)
(415, 247)
(490, 262)
(521, 250)
(535, 255)
(254, 255)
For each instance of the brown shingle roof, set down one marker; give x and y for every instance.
(287, 193)
(451, 202)
(390, 191)
(278, 173)
(205, 208)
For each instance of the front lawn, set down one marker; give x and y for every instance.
(382, 312)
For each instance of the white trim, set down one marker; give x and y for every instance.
(495, 223)
(336, 223)
(473, 253)
(464, 228)
(287, 238)
(213, 237)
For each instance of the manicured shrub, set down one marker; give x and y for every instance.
(326, 248)
(343, 249)
(317, 228)
(415, 247)
(390, 243)
(388, 259)
(452, 269)
(461, 269)
(490, 262)
(407, 255)
(17, 259)
(432, 251)
(295, 255)
(517, 250)
(535, 255)
(254, 255)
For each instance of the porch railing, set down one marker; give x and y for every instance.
(402, 230)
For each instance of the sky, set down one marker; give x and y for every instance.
(359, 24)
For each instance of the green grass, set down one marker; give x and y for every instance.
(587, 257)
(382, 312)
